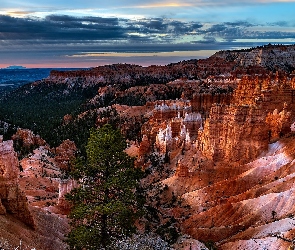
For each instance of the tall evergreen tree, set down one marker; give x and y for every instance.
(105, 204)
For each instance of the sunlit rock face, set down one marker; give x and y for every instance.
(255, 202)
(12, 199)
(279, 122)
(241, 131)
(236, 180)
(234, 133)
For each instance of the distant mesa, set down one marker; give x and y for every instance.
(15, 67)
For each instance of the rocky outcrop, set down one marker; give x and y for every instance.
(241, 131)
(234, 133)
(272, 57)
(65, 153)
(144, 146)
(178, 132)
(181, 170)
(12, 199)
(40, 177)
(202, 102)
(123, 74)
(279, 122)
(255, 202)
(50, 231)
(65, 186)
(27, 138)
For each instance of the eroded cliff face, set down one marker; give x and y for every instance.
(234, 133)
(65, 153)
(32, 193)
(232, 181)
(255, 203)
(223, 126)
(12, 198)
(242, 130)
(27, 138)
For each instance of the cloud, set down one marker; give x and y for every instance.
(281, 24)
(231, 31)
(64, 36)
(89, 29)
(60, 28)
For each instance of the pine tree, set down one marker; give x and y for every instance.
(105, 205)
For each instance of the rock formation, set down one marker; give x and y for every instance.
(27, 138)
(64, 153)
(144, 147)
(213, 136)
(181, 170)
(234, 133)
(269, 56)
(279, 122)
(242, 130)
(12, 199)
(65, 186)
(257, 202)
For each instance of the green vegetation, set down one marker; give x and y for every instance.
(105, 205)
(42, 107)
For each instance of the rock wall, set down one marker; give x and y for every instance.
(65, 152)
(28, 138)
(202, 102)
(65, 186)
(12, 199)
(259, 111)
(279, 122)
(234, 133)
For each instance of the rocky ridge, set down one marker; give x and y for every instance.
(272, 57)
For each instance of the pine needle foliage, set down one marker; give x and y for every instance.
(105, 204)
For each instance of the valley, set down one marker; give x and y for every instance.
(215, 138)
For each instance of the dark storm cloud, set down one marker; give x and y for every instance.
(225, 31)
(66, 29)
(181, 28)
(63, 27)
(156, 25)
(60, 28)
(63, 35)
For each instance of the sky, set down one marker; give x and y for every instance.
(89, 33)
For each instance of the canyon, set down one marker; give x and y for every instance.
(215, 138)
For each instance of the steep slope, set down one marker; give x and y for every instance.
(257, 204)
(48, 234)
(32, 205)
